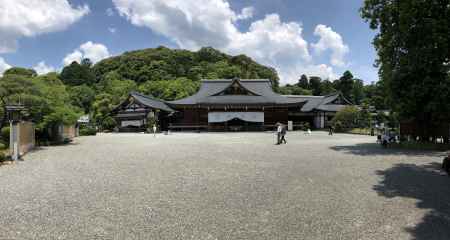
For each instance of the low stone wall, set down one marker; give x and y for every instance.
(69, 131)
(23, 137)
(26, 137)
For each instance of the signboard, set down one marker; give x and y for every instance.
(134, 123)
(217, 117)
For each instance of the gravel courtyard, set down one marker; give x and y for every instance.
(224, 186)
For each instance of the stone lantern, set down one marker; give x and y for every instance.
(14, 113)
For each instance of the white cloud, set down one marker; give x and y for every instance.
(110, 12)
(42, 68)
(246, 13)
(197, 23)
(28, 18)
(330, 40)
(94, 51)
(112, 30)
(3, 66)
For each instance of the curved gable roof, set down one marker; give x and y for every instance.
(209, 90)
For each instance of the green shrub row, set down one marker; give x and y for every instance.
(88, 131)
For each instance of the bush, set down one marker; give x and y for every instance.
(346, 119)
(2, 157)
(88, 131)
(2, 146)
(5, 135)
(108, 123)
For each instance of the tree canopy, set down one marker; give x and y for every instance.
(413, 46)
(162, 63)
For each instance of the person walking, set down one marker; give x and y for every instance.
(283, 133)
(279, 130)
(330, 130)
(154, 130)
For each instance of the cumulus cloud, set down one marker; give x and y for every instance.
(3, 66)
(42, 68)
(330, 40)
(112, 30)
(194, 24)
(246, 13)
(28, 18)
(94, 51)
(110, 12)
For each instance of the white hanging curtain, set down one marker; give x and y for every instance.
(217, 117)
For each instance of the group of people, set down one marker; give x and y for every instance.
(281, 133)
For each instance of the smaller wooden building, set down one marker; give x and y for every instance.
(132, 115)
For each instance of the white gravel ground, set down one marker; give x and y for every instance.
(224, 186)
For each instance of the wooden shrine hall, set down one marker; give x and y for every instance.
(229, 105)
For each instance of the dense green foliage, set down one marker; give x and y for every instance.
(413, 46)
(168, 64)
(87, 131)
(45, 97)
(346, 119)
(351, 88)
(170, 90)
(78, 74)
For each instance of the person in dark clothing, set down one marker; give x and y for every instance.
(283, 134)
(446, 164)
(330, 130)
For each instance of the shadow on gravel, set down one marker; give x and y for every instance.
(365, 149)
(430, 186)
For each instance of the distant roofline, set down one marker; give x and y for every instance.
(232, 79)
(311, 96)
(302, 96)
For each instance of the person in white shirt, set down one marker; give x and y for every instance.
(279, 130)
(154, 130)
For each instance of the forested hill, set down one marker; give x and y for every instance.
(156, 64)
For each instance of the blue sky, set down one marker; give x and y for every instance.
(321, 37)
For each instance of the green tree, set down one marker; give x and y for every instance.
(357, 94)
(82, 96)
(114, 85)
(345, 84)
(102, 107)
(170, 90)
(77, 74)
(315, 85)
(21, 71)
(293, 90)
(346, 119)
(413, 46)
(303, 82)
(375, 95)
(17, 89)
(327, 87)
(44, 96)
(55, 107)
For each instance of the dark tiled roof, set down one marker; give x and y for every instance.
(323, 103)
(151, 101)
(262, 88)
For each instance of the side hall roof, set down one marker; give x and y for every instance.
(151, 101)
(322, 103)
